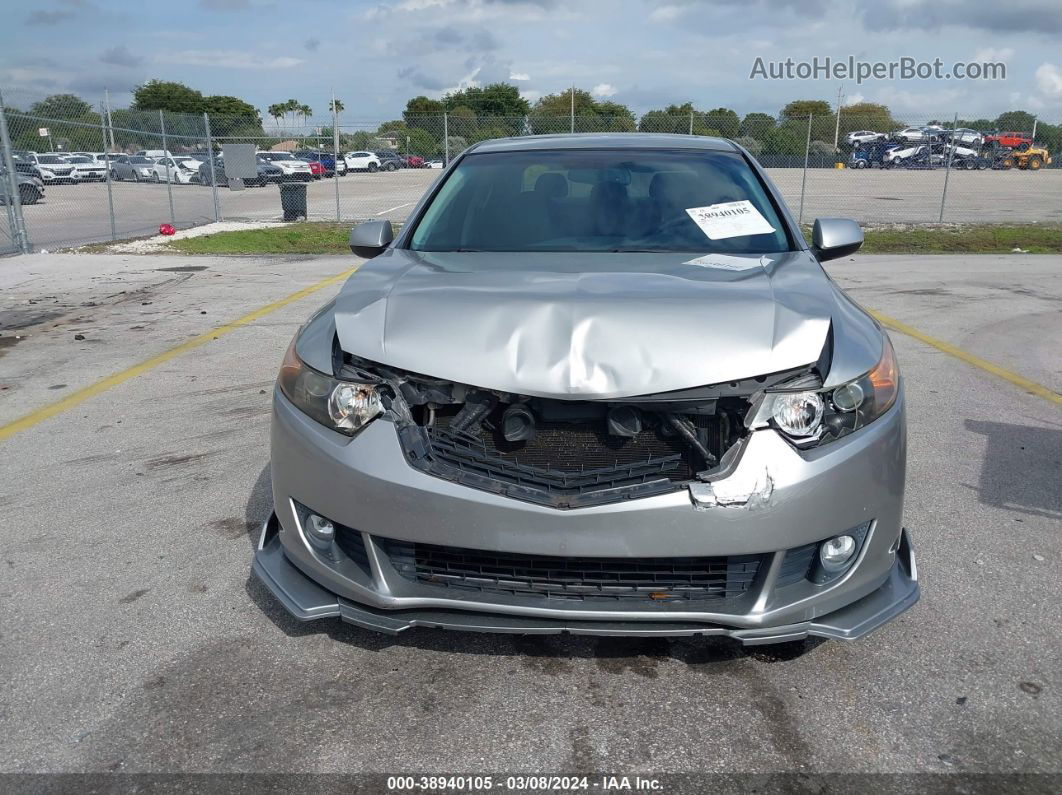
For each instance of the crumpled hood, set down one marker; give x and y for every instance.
(584, 324)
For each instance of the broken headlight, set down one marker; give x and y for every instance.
(343, 406)
(814, 417)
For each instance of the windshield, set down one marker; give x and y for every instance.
(139, 160)
(602, 200)
(280, 156)
(51, 159)
(79, 160)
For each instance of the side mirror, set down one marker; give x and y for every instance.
(372, 237)
(835, 237)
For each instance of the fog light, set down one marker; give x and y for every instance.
(320, 531)
(837, 552)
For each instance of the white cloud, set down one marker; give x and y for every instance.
(230, 59)
(531, 96)
(854, 99)
(603, 90)
(994, 54)
(519, 76)
(665, 13)
(1049, 80)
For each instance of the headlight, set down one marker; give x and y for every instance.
(816, 417)
(343, 406)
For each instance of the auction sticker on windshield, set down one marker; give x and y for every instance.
(730, 219)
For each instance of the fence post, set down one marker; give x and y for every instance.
(14, 200)
(446, 140)
(804, 178)
(947, 168)
(166, 157)
(213, 166)
(335, 150)
(107, 164)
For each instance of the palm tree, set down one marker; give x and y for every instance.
(336, 106)
(277, 110)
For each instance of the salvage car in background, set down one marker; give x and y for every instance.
(175, 169)
(291, 168)
(30, 189)
(598, 384)
(361, 161)
(133, 167)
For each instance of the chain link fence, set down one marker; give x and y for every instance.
(74, 174)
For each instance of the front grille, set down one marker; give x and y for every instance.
(565, 464)
(541, 577)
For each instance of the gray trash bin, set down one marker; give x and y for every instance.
(293, 200)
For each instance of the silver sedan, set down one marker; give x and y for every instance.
(598, 384)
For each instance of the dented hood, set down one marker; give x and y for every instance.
(585, 324)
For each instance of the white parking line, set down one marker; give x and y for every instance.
(399, 207)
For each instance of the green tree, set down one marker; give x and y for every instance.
(755, 125)
(166, 95)
(726, 121)
(866, 116)
(1016, 121)
(494, 99)
(801, 108)
(782, 141)
(752, 144)
(277, 111)
(61, 106)
(335, 106)
(222, 105)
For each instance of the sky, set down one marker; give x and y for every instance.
(644, 53)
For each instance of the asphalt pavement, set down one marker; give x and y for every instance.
(134, 638)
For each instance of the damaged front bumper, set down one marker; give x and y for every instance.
(796, 499)
(306, 600)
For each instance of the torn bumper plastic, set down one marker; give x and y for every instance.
(306, 600)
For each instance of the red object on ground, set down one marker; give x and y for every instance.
(166, 229)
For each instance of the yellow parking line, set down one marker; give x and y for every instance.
(111, 381)
(1025, 384)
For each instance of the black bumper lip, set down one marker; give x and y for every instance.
(308, 601)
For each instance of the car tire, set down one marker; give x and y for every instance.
(114, 176)
(27, 194)
(156, 178)
(1035, 163)
(136, 177)
(373, 168)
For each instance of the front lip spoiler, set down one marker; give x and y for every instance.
(307, 601)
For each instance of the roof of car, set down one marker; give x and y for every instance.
(605, 141)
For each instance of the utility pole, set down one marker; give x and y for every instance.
(1034, 128)
(837, 122)
(573, 107)
(110, 124)
(335, 151)
(446, 140)
(691, 121)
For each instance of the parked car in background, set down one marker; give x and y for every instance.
(871, 154)
(132, 167)
(291, 168)
(54, 168)
(154, 154)
(172, 169)
(390, 160)
(415, 161)
(964, 135)
(267, 173)
(434, 164)
(362, 161)
(326, 159)
(1012, 140)
(26, 167)
(87, 169)
(863, 136)
(30, 188)
(316, 169)
(910, 134)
